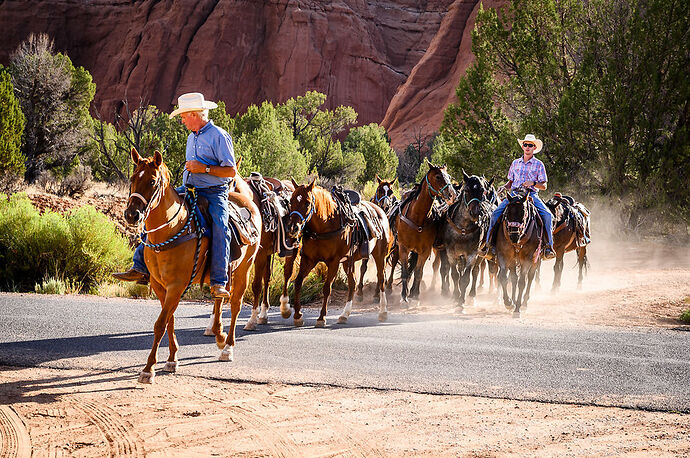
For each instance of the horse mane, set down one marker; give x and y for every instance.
(325, 205)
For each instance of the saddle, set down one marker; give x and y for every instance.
(273, 204)
(580, 215)
(366, 224)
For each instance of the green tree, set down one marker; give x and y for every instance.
(371, 142)
(11, 128)
(266, 144)
(55, 98)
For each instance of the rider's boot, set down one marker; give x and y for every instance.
(133, 275)
(219, 291)
(487, 251)
(548, 253)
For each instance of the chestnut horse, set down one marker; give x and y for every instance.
(518, 246)
(571, 232)
(162, 211)
(416, 231)
(384, 198)
(328, 237)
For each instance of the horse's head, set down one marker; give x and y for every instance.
(149, 180)
(302, 206)
(384, 196)
(473, 194)
(516, 214)
(439, 183)
(490, 193)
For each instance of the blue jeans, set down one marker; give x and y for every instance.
(217, 197)
(544, 212)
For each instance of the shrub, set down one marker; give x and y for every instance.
(57, 285)
(123, 289)
(76, 183)
(82, 247)
(685, 317)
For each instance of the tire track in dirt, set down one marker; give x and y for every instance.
(14, 438)
(122, 441)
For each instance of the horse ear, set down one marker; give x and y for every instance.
(294, 183)
(135, 156)
(464, 175)
(378, 179)
(394, 180)
(491, 181)
(311, 185)
(157, 158)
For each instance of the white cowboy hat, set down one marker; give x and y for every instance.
(193, 101)
(533, 139)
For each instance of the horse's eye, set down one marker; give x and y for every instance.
(153, 182)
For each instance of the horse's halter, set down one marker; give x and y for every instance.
(385, 200)
(515, 227)
(304, 219)
(431, 188)
(149, 205)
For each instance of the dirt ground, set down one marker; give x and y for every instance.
(52, 413)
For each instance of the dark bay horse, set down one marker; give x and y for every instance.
(518, 248)
(416, 230)
(156, 203)
(461, 231)
(272, 197)
(328, 236)
(385, 198)
(571, 233)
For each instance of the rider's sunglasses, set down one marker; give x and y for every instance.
(528, 145)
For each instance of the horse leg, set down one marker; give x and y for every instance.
(170, 301)
(305, 266)
(435, 270)
(455, 274)
(260, 266)
(217, 323)
(493, 273)
(503, 282)
(520, 288)
(404, 275)
(240, 277)
(530, 277)
(462, 286)
(380, 260)
(171, 364)
(350, 272)
(482, 266)
(263, 315)
(476, 266)
(514, 284)
(360, 285)
(418, 274)
(394, 257)
(330, 275)
(287, 274)
(445, 271)
(557, 271)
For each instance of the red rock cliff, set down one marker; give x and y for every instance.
(396, 61)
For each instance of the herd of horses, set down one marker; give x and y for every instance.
(307, 225)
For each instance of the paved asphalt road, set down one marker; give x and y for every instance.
(642, 368)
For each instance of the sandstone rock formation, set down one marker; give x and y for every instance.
(398, 59)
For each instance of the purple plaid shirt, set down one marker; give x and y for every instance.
(532, 170)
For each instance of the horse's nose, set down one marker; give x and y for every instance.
(132, 216)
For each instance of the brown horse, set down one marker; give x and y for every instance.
(518, 246)
(571, 232)
(416, 230)
(328, 235)
(384, 198)
(164, 215)
(272, 196)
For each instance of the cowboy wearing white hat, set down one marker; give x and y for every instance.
(528, 172)
(210, 168)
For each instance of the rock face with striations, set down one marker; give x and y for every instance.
(394, 61)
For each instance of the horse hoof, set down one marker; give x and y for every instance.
(404, 305)
(322, 323)
(146, 377)
(359, 297)
(170, 366)
(383, 316)
(250, 326)
(508, 306)
(299, 322)
(470, 301)
(341, 320)
(228, 354)
(208, 332)
(285, 314)
(263, 320)
(516, 314)
(460, 310)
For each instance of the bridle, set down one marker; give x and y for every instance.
(304, 219)
(431, 188)
(385, 200)
(149, 204)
